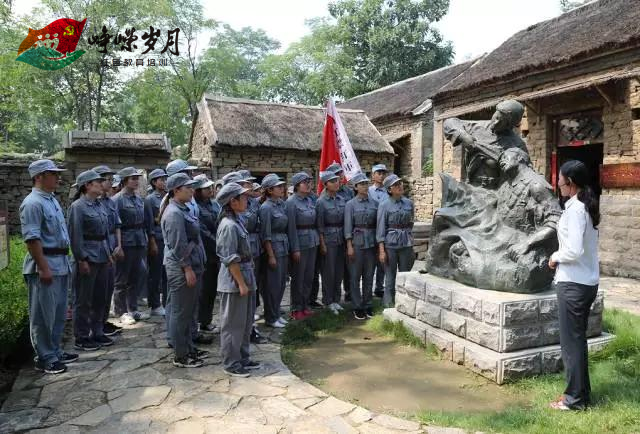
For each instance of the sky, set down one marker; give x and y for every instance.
(473, 26)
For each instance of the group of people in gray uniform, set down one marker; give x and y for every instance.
(191, 240)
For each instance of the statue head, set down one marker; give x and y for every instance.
(511, 158)
(507, 116)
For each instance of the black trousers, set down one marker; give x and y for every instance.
(208, 293)
(574, 305)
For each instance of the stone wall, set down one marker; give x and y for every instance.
(620, 233)
(422, 196)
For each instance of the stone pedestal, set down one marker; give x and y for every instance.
(499, 335)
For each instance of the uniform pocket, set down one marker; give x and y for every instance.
(358, 238)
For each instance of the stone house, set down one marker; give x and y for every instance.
(264, 137)
(403, 114)
(578, 76)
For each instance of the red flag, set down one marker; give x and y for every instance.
(329, 152)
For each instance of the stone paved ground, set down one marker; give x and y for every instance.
(621, 293)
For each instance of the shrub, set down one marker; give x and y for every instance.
(14, 313)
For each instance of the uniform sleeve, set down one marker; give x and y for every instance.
(292, 232)
(413, 213)
(320, 216)
(76, 234)
(31, 217)
(265, 222)
(149, 220)
(381, 225)
(227, 246)
(348, 221)
(573, 248)
(175, 237)
(208, 237)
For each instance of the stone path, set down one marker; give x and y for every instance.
(132, 387)
(621, 293)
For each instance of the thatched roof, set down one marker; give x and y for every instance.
(249, 123)
(116, 141)
(593, 29)
(406, 96)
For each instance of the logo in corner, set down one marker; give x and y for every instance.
(54, 46)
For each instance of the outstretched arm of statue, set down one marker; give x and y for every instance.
(533, 240)
(454, 131)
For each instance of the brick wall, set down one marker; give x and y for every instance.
(620, 232)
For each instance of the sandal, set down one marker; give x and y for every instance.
(559, 405)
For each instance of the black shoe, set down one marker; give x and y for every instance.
(199, 354)
(347, 297)
(252, 365)
(38, 365)
(55, 368)
(369, 312)
(257, 338)
(359, 314)
(111, 329)
(187, 362)
(203, 340)
(315, 305)
(68, 358)
(237, 372)
(378, 294)
(86, 345)
(103, 341)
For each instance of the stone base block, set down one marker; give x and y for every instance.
(494, 365)
(499, 321)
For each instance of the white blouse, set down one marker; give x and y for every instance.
(577, 256)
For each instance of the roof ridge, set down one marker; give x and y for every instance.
(221, 98)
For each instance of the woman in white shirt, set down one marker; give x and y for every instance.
(576, 280)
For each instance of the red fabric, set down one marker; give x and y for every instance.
(329, 152)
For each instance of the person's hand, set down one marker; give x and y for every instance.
(118, 253)
(323, 249)
(552, 264)
(272, 262)
(190, 276)
(46, 278)
(382, 257)
(83, 267)
(519, 249)
(153, 248)
(295, 256)
(244, 290)
(351, 253)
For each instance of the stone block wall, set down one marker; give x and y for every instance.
(422, 196)
(620, 233)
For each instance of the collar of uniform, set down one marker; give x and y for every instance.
(182, 206)
(159, 193)
(378, 188)
(90, 202)
(571, 201)
(275, 201)
(362, 199)
(300, 197)
(395, 200)
(126, 193)
(43, 193)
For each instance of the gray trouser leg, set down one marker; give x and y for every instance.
(236, 320)
(315, 288)
(574, 305)
(47, 310)
(157, 286)
(362, 268)
(89, 299)
(183, 303)
(128, 272)
(332, 274)
(111, 272)
(302, 279)
(379, 267)
(275, 281)
(397, 259)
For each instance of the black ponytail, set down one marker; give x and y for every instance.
(163, 205)
(79, 192)
(576, 172)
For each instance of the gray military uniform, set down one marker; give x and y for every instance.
(208, 228)
(42, 219)
(157, 286)
(303, 237)
(113, 223)
(183, 247)
(273, 227)
(360, 217)
(88, 230)
(394, 229)
(236, 311)
(251, 221)
(380, 195)
(330, 221)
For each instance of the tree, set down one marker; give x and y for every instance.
(567, 5)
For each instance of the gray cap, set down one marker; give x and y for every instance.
(229, 191)
(299, 177)
(39, 166)
(256, 186)
(379, 168)
(202, 181)
(390, 180)
(179, 180)
(328, 176)
(246, 175)
(157, 173)
(358, 178)
(271, 180)
(334, 167)
(177, 166)
(87, 176)
(219, 183)
(129, 171)
(116, 181)
(104, 170)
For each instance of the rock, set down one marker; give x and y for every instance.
(444, 430)
(193, 425)
(146, 377)
(491, 312)
(406, 305)
(521, 312)
(21, 400)
(22, 420)
(331, 407)
(517, 338)
(483, 334)
(60, 429)
(299, 390)
(216, 426)
(138, 398)
(429, 313)
(247, 411)
(280, 410)
(467, 306)
(360, 415)
(50, 395)
(305, 403)
(454, 323)
(396, 423)
(209, 404)
(252, 387)
(338, 425)
(93, 417)
(73, 404)
(87, 370)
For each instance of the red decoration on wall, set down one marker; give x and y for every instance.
(620, 175)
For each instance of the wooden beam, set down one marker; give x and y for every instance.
(604, 95)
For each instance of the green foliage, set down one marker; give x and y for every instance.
(400, 334)
(567, 5)
(427, 167)
(14, 314)
(302, 333)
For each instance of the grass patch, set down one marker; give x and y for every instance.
(615, 385)
(14, 310)
(400, 334)
(302, 333)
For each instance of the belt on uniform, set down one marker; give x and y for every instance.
(305, 226)
(365, 226)
(131, 227)
(400, 226)
(94, 237)
(334, 225)
(278, 232)
(55, 251)
(245, 260)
